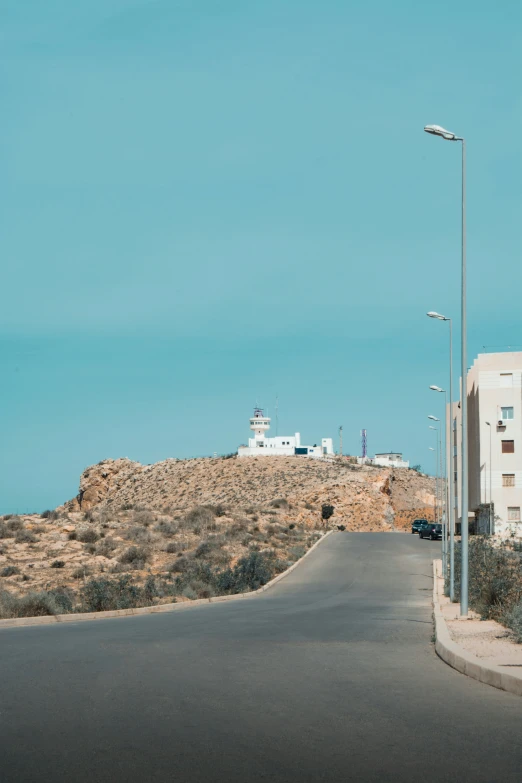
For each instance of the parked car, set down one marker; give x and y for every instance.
(417, 524)
(431, 530)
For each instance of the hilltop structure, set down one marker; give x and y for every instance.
(283, 445)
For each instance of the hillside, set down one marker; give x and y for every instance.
(183, 529)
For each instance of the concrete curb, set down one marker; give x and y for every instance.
(460, 659)
(84, 616)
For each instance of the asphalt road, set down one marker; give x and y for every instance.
(329, 676)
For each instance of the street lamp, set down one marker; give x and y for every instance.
(450, 468)
(438, 505)
(490, 482)
(437, 130)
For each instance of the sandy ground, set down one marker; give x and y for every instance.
(486, 639)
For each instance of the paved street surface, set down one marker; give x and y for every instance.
(330, 676)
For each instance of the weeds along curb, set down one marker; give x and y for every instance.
(460, 659)
(174, 607)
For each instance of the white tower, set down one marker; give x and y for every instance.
(259, 424)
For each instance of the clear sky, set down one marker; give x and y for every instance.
(208, 203)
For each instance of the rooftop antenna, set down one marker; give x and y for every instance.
(364, 444)
(341, 440)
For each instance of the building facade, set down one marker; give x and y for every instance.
(494, 394)
(283, 445)
(391, 459)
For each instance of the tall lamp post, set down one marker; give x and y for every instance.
(444, 488)
(490, 483)
(436, 469)
(438, 507)
(436, 130)
(440, 492)
(449, 439)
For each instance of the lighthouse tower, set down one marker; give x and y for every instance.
(259, 424)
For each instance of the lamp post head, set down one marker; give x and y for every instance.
(431, 448)
(433, 418)
(487, 422)
(432, 428)
(433, 314)
(437, 388)
(436, 130)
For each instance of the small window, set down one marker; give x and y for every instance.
(506, 379)
(507, 413)
(513, 513)
(508, 479)
(508, 447)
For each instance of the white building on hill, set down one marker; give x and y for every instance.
(391, 459)
(283, 445)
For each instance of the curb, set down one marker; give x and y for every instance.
(461, 660)
(174, 607)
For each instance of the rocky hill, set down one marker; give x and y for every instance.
(182, 529)
(364, 497)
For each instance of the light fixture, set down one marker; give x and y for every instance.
(437, 388)
(433, 314)
(436, 130)
(433, 418)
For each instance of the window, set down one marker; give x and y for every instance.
(507, 413)
(508, 447)
(506, 379)
(513, 513)
(508, 479)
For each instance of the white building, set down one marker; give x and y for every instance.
(391, 459)
(494, 387)
(283, 445)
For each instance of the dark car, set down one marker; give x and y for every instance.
(431, 530)
(417, 524)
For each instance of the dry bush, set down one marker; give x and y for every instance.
(25, 537)
(166, 528)
(5, 531)
(135, 556)
(144, 518)
(201, 518)
(139, 535)
(106, 547)
(87, 535)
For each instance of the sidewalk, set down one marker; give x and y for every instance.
(482, 649)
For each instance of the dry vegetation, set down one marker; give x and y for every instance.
(181, 530)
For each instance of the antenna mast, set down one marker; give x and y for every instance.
(364, 444)
(341, 440)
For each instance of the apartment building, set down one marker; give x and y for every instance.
(494, 392)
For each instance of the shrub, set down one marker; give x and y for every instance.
(166, 528)
(138, 534)
(514, 621)
(144, 518)
(179, 565)
(89, 548)
(9, 571)
(34, 604)
(249, 573)
(5, 532)
(99, 595)
(46, 514)
(279, 503)
(171, 548)
(201, 517)
(72, 535)
(134, 555)
(88, 536)
(297, 552)
(81, 572)
(25, 537)
(58, 564)
(207, 548)
(106, 547)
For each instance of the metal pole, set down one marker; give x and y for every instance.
(451, 484)
(490, 487)
(445, 493)
(442, 504)
(464, 405)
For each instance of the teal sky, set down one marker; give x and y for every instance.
(204, 204)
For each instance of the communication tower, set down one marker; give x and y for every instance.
(364, 444)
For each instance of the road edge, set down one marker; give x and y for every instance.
(19, 622)
(462, 660)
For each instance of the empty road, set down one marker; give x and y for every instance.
(329, 676)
